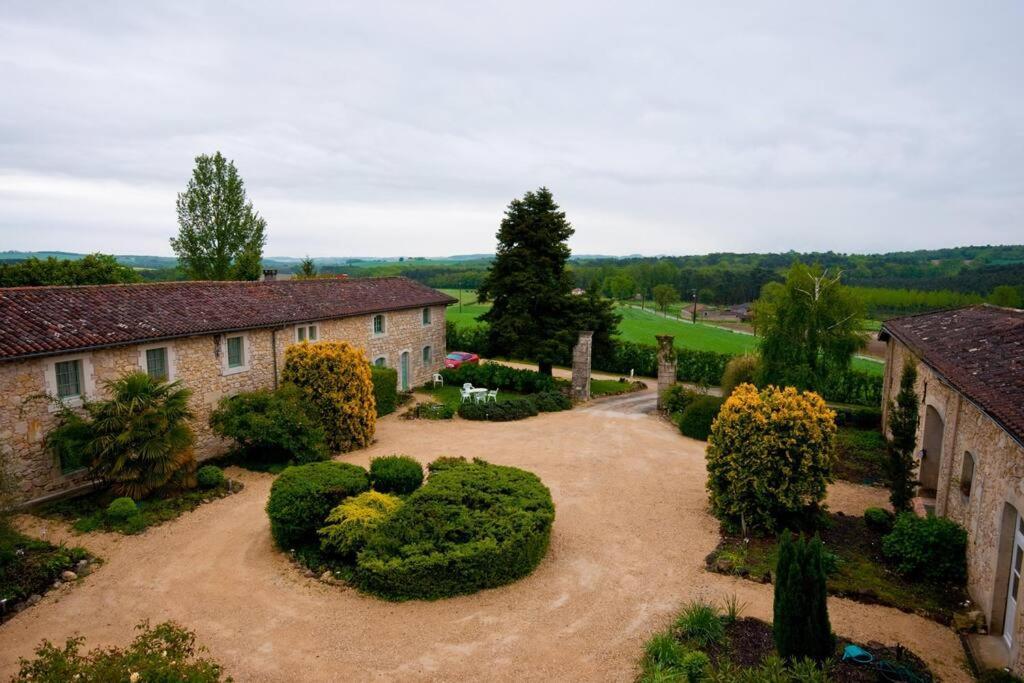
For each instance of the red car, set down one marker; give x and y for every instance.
(457, 358)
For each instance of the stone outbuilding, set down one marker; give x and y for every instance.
(971, 447)
(218, 338)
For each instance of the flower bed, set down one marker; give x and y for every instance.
(29, 568)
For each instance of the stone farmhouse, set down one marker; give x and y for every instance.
(971, 446)
(218, 338)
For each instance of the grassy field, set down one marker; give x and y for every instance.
(641, 326)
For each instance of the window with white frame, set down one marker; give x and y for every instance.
(426, 316)
(306, 333)
(380, 362)
(156, 363)
(235, 347)
(69, 379)
(427, 355)
(378, 323)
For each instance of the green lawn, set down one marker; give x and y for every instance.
(452, 396)
(642, 325)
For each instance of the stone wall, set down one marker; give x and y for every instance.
(983, 508)
(199, 363)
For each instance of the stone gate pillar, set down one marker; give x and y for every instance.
(666, 365)
(581, 366)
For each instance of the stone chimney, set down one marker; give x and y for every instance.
(666, 365)
(269, 274)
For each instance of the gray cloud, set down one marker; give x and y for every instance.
(390, 128)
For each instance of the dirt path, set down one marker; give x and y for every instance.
(627, 550)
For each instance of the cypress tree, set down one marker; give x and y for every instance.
(786, 607)
(903, 419)
(820, 643)
(801, 625)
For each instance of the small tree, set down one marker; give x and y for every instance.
(220, 235)
(769, 457)
(664, 296)
(137, 441)
(801, 625)
(1005, 295)
(307, 269)
(903, 418)
(335, 380)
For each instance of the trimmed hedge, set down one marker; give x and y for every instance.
(385, 389)
(498, 411)
(303, 495)
(861, 417)
(471, 526)
(498, 376)
(395, 474)
(695, 422)
(551, 401)
(210, 477)
(122, 508)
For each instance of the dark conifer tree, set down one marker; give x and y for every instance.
(903, 419)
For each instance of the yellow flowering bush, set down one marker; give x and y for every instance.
(350, 524)
(769, 457)
(335, 378)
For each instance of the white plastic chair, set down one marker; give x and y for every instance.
(492, 395)
(466, 394)
(468, 386)
(438, 379)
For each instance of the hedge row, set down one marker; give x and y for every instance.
(515, 408)
(385, 389)
(497, 529)
(498, 376)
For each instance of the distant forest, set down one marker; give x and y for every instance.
(905, 281)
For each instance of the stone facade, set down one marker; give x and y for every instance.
(581, 366)
(978, 469)
(200, 363)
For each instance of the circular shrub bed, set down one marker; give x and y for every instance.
(473, 525)
(396, 474)
(303, 495)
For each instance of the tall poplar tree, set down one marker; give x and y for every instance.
(220, 235)
(534, 315)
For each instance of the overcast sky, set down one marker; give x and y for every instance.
(372, 128)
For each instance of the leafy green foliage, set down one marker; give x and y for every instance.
(271, 426)
(498, 411)
(385, 389)
(745, 369)
(1006, 295)
(165, 652)
(432, 410)
(350, 525)
(471, 526)
(303, 495)
(498, 376)
(220, 235)
(92, 269)
(398, 474)
(929, 548)
(664, 651)
(210, 477)
(29, 566)
(551, 401)
(664, 296)
(861, 456)
(121, 509)
(903, 419)
(137, 441)
(677, 398)
(769, 457)
(701, 367)
(809, 328)
(698, 416)
(801, 625)
(701, 623)
(878, 519)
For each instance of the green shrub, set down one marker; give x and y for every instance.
(210, 476)
(165, 652)
(878, 519)
(471, 526)
(396, 474)
(695, 666)
(861, 417)
(695, 422)
(122, 508)
(739, 370)
(498, 376)
(677, 397)
(445, 462)
(551, 401)
(801, 626)
(998, 676)
(350, 525)
(432, 410)
(498, 411)
(385, 389)
(303, 495)
(701, 623)
(271, 426)
(929, 548)
(664, 651)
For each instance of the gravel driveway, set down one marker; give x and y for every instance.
(629, 540)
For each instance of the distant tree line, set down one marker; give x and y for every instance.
(93, 269)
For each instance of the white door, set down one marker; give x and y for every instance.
(1016, 560)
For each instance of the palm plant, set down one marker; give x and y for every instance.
(138, 440)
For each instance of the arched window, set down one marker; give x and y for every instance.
(967, 474)
(380, 362)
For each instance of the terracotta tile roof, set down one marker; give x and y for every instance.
(979, 350)
(48, 320)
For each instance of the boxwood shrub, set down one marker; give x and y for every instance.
(303, 495)
(929, 548)
(473, 525)
(497, 376)
(551, 401)
(385, 389)
(499, 411)
(122, 508)
(396, 474)
(210, 477)
(695, 422)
